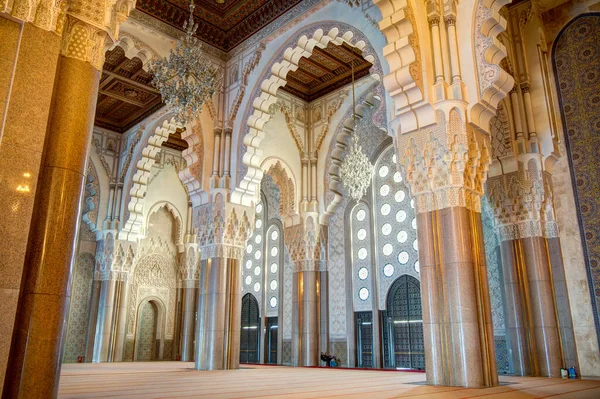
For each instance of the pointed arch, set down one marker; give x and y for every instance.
(246, 191)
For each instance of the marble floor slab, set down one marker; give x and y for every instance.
(179, 380)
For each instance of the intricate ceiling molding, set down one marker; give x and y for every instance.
(223, 25)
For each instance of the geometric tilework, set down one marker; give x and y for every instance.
(576, 60)
(502, 358)
(80, 308)
(147, 332)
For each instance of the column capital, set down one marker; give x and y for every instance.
(223, 228)
(88, 25)
(45, 14)
(307, 245)
(114, 259)
(523, 204)
(446, 165)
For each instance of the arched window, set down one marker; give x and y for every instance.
(384, 248)
(395, 223)
(254, 258)
(262, 277)
(362, 256)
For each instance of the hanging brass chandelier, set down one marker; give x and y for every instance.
(187, 79)
(356, 170)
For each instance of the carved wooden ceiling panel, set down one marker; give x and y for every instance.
(126, 95)
(326, 70)
(222, 25)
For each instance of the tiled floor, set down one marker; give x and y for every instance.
(179, 380)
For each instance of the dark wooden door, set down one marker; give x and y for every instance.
(250, 334)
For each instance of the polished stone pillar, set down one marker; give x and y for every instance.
(107, 312)
(457, 322)
(34, 364)
(563, 307)
(28, 60)
(121, 327)
(188, 323)
(219, 314)
(91, 331)
(305, 329)
(543, 312)
(517, 324)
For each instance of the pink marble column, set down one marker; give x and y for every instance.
(543, 311)
(457, 323)
(517, 317)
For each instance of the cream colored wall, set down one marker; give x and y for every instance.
(165, 186)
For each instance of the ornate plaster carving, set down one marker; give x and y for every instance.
(523, 202)
(92, 196)
(446, 165)
(307, 245)
(287, 198)
(114, 259)
(494, 82)
(223, 228)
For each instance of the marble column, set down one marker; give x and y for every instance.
(188, 323)
(121, 327)
(107, 311)
(27, 73)
(561, 297)
(305, 332)
(457, 322)
(543, 312)
(516, 315)
(219, 314)
(44, 300)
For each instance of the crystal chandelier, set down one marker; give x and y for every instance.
(187, 79)
(356, 171)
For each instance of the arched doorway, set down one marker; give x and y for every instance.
(250, 330)
(403, 325)
(146, 337)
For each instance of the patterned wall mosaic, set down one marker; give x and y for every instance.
(147, 333)
(576, 61)
(80, 308)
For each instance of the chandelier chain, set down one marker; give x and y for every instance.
(356, 171)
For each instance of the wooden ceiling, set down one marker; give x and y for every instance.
(223, 25)
(326, 70)
(126, 96)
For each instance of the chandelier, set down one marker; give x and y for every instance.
(187, 79)
(356, 171)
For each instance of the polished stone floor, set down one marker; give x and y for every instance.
(179, 380)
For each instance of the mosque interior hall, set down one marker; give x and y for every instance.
(299, 199)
